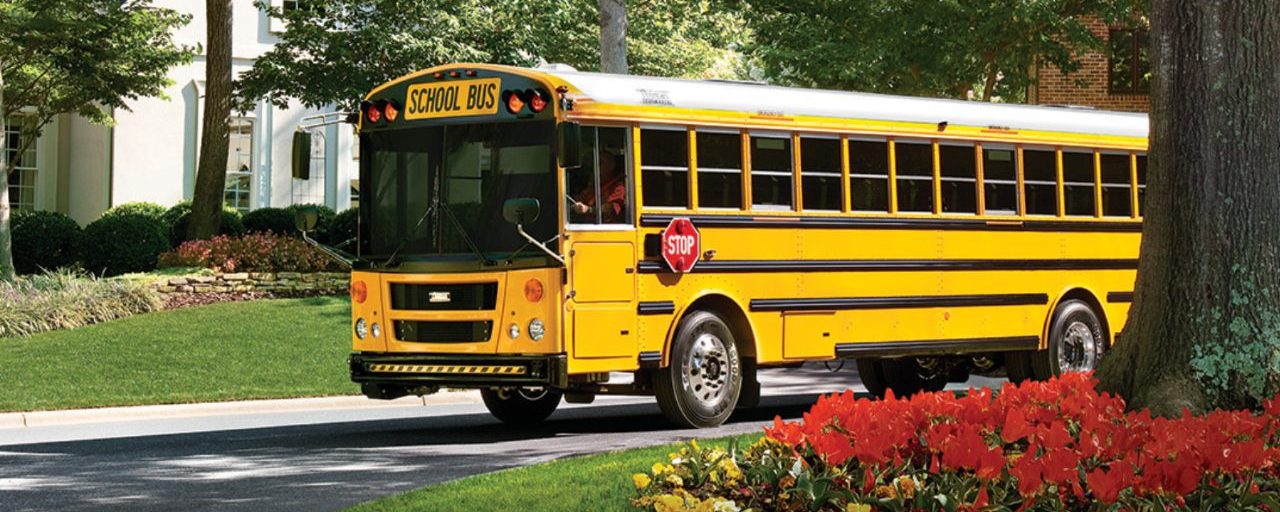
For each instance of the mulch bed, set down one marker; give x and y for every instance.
(183, 300)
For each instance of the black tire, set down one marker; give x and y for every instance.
(872, 376)
(904, 376)
(1017, 365)
(700, 387)
(1076, 335)
(521, 406)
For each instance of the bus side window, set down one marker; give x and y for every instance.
(600, 187)
(719, 169)
(664, 163)
(1115, 185)
(914, 166)
(820, 173)
(1040, 175)
(1077, 183)
(869, 175)
(1142, 183)
(771, 173)
(959, 175)
(1000, 179)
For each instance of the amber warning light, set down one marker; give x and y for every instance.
(359, 292)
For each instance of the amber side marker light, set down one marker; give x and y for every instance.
(513, 101)
(533, 290)
(359, 292)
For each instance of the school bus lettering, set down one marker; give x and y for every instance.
(452, 99)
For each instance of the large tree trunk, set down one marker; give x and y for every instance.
(1205, 328)
(211, 178)
(613, 36)
(7, 273)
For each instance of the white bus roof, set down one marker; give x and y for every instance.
(748, 97)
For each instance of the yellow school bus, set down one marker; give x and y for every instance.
(528, 232)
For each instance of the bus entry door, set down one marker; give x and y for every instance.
(603, 294)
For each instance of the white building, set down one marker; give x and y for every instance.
(82, 169)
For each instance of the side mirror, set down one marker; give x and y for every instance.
(306, 218)
(569, 145)
(521, 210)
(302, 155)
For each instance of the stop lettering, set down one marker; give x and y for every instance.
(681, 245)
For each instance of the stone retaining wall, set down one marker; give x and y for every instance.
(285, 283)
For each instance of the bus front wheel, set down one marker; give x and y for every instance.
(700, 386)
(521, 406)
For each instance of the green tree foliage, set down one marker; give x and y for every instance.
(336, 51)
(87, 57)
(923, 47)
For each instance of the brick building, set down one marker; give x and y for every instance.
(1120, 81)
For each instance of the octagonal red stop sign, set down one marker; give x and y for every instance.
(681, 245)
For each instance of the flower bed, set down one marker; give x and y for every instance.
(1057, 445)
(66, 300)
(254, 252)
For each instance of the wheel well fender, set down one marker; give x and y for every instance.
(1088, 297)
(730, 310)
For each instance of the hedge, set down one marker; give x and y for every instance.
(44, 240)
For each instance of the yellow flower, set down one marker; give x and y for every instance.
(657, 468)
(857, 507)
(694, 444)
(641, 480)
(906, 486)
(668, 503)
(675, 480)
(885, 491)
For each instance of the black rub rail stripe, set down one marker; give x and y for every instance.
(650, 359)
(930, 347)
(661, 307)
(935, 301)
(1119, 297)
(745, 221)
(656, 267)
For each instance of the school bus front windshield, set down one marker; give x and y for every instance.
(436, 193)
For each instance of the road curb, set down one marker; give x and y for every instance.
(17, 420)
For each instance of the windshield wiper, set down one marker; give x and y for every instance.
(404, 242)
(466, 237)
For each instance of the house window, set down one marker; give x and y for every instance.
(1130, 65)
(239, 164)
(22, 181)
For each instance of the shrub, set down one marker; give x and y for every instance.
(254, 252)
(230, 225)
(175, 212)
(344, 228)
(65, 300)
(323, 224)
(269, 220)
(142, 208)
(44, 240)
(123, 243)
(1057, 445)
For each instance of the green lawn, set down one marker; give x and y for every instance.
(229, 351)
(599, 482)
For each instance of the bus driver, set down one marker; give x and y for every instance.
(613, 193)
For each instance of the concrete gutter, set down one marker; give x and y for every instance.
(17, 420)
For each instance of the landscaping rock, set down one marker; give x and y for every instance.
(238, 276)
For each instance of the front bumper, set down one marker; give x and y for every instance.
(457, 370)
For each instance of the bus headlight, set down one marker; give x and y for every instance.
(514, 331)
(376, 330)
(362, 329)
(536, 330)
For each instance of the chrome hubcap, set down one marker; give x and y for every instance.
(706, 373)
(1079, 350)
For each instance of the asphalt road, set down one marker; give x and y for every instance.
(329, 460)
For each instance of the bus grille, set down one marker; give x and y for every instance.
(443, 332)
(444, 297)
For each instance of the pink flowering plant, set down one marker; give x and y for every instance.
(254, 252)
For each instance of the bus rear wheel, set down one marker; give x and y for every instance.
(521, 406)
(1076, 342)
(700, 387)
